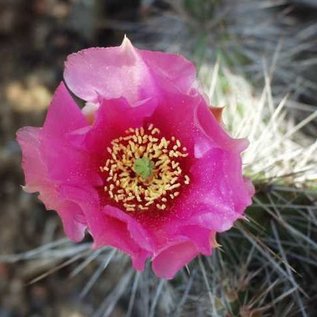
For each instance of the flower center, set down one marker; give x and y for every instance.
(144, 169)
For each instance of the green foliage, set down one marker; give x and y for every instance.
(202, 10)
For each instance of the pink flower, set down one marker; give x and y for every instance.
(145, 167)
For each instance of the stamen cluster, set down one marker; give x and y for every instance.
(127, 186)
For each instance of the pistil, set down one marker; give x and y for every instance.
(143, 167)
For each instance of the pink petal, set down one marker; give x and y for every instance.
(175, 117)
(199, 236)
(125, 71)
(110, 226)
(72, 218)
(68, 165)
(37, 180)
(137, 232)
(65, 163)
(35, 170)
(63, 114)
(111, 231)
(112, 73)
(168, 262)
(214, 132)
(170, 70)
(194, 124)
(112, 118)
(217, 195)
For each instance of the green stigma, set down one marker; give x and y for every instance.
(143, 167)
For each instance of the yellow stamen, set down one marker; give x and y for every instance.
(144, 169)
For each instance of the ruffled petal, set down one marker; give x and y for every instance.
(137, 232)
(63, 114)
(175, 256)
(169, 261)
(217, 195)
(214, 132)
(112, 118)
(170, 70)
(127, 72)
(112, 73)
(37, 180)
(46, 158)
(35, 170)
(73, 219)
(175, 117)
(200, 236)
(109, 226)
(112, 231)
(65, 164)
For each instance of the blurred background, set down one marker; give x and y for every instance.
(258, 40)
